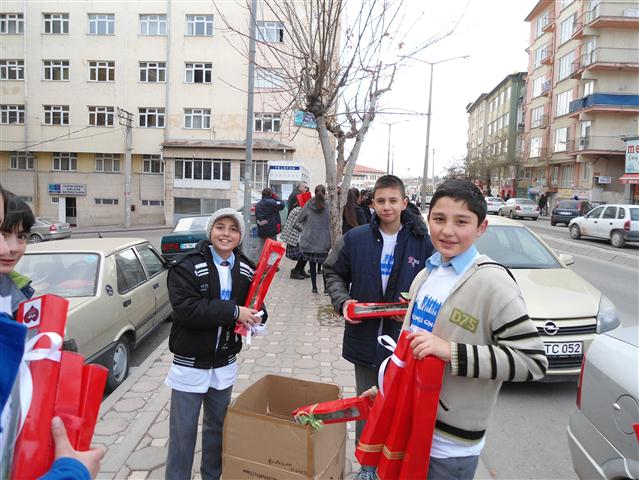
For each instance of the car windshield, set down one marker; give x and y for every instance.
(525, 201)
(64, 274)
(515, 247)
(188, 224)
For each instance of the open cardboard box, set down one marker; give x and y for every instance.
(262, 441)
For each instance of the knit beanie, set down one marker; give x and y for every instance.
(222, 213)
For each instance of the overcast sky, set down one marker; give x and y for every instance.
(494, 35)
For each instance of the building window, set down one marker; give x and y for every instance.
(536, 117)
(566, 176)
(538, 85)
(260, 174)
(56, 115)
(151, 117)
(152, 203)
(153, 164)
(101, 24)
(63, 161)
(565, 65)
(567, 28)
(564, 3)
(11, 114)
(106, 201)
(555, 175)
(56, 22)
(542, 21)
(153, 72)
(11, 23)
(101, 116)
(202, 169)
(199, 73)
(55, 70)
(563, 103)
(561, 140)
(153, 24)
(107, 162)
(101, 71)
(11, 69)
(21, 161)
(272, 32)
(267, 122)
(586, 172)
(199, 25)
(589, 87)
(535, 147)
(268, 78)
(197, 118)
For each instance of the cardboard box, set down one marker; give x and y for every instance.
(262, 441)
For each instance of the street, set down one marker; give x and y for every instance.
(527, 433)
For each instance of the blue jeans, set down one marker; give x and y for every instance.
(455, 468)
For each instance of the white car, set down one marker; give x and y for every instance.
(617, 223)
(519, 208)
(493, 204)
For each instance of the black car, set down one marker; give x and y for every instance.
(566, 210)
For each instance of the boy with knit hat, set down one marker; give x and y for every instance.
(207, 288)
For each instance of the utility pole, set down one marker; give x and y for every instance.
(388, 150)
(126, 119)
(249, 241)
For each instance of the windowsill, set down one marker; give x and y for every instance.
(153, 174)
(54, 124)
(11, 79)
(100, 81)
(100, 126)
(65, 171)
(108, 173)
(14, 124)
(60, 81)
(152, 128)
(153, 34)
(15, 34)
(562, 115)
(198, 83)
(152, 83)
(567, 77)
(47, 34)
(198, 36)
(268, 133)
(188, 128)
(21, 169)
(100, 34)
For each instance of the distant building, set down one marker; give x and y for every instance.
(365, 177)
(67, 67)
(582, 98)
(495, 134)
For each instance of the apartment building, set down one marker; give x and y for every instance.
(73, 75)
(495, 135)
(582, 98)
(365, 177)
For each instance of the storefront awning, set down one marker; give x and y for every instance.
(632, 178)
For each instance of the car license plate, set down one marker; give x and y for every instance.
(564, 213)
(187, 246)
(563, 349)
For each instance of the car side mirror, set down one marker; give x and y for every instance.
(566, 259)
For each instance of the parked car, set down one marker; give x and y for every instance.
(617, 223)
(520, 208)
(184, 236)
(566, 210)
(493, 204)
(117, 294)
(568, 311)
(46, 229)
(603, 432)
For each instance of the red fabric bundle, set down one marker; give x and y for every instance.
(379, 421)
(336, 411)
(302, 198)
(376, 310)
(267, 265)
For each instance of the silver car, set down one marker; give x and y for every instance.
(603, 433)
(494, 204)
(46, 229)
(520, 208)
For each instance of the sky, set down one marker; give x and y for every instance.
(493, 34)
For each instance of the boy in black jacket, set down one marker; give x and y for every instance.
(375, 263)
(207, 289)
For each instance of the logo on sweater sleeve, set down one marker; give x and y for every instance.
(464, 320)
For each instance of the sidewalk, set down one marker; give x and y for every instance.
(304, 341)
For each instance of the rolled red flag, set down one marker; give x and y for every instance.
(376, 310)
(336, 411)
(94, 378)
(302, 198)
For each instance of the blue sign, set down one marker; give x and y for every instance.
(305, 119)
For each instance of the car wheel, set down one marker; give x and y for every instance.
(35, 238)
(616, 239)
(118, 364)
(512, 215)
(575, 232)
(552, 224)
(534, 219)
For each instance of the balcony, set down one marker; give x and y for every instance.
(602, 102)
(550, 23)
(536, 155)
(578, 27)
(595, 145)
(608, 59)
(540, 122)
(613, 15)
(546, 88)
(547, 55)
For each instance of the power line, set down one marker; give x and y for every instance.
(55, 138)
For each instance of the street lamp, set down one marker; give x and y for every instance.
(388, 147)
(428, 115)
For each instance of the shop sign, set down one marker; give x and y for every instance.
(67, 189)
(604, 180)
(632, 155)
(305, 119)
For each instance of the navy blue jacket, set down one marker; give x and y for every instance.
(267, 215)
(352, 270)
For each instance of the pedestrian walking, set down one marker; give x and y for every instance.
(375, 263)
(267, 216)
(352, 214)
(292, 202)
(542, 204)
(207, 288)
(291, 236)
(315, 239)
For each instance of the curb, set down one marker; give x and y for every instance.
(592, 251)
(119, 228)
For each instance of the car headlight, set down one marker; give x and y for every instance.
(607, 317)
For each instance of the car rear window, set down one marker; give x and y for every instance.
(567, 204)
(634, 214)
(188, 224)
(515, 247)
(64, 274)
(525, 201)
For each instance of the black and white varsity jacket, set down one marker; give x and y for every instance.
(194, 291)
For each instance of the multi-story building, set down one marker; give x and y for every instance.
(365, 177)
(70, 70)
(495, 127)
(582, 98)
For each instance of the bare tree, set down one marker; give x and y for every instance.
(339, 60)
